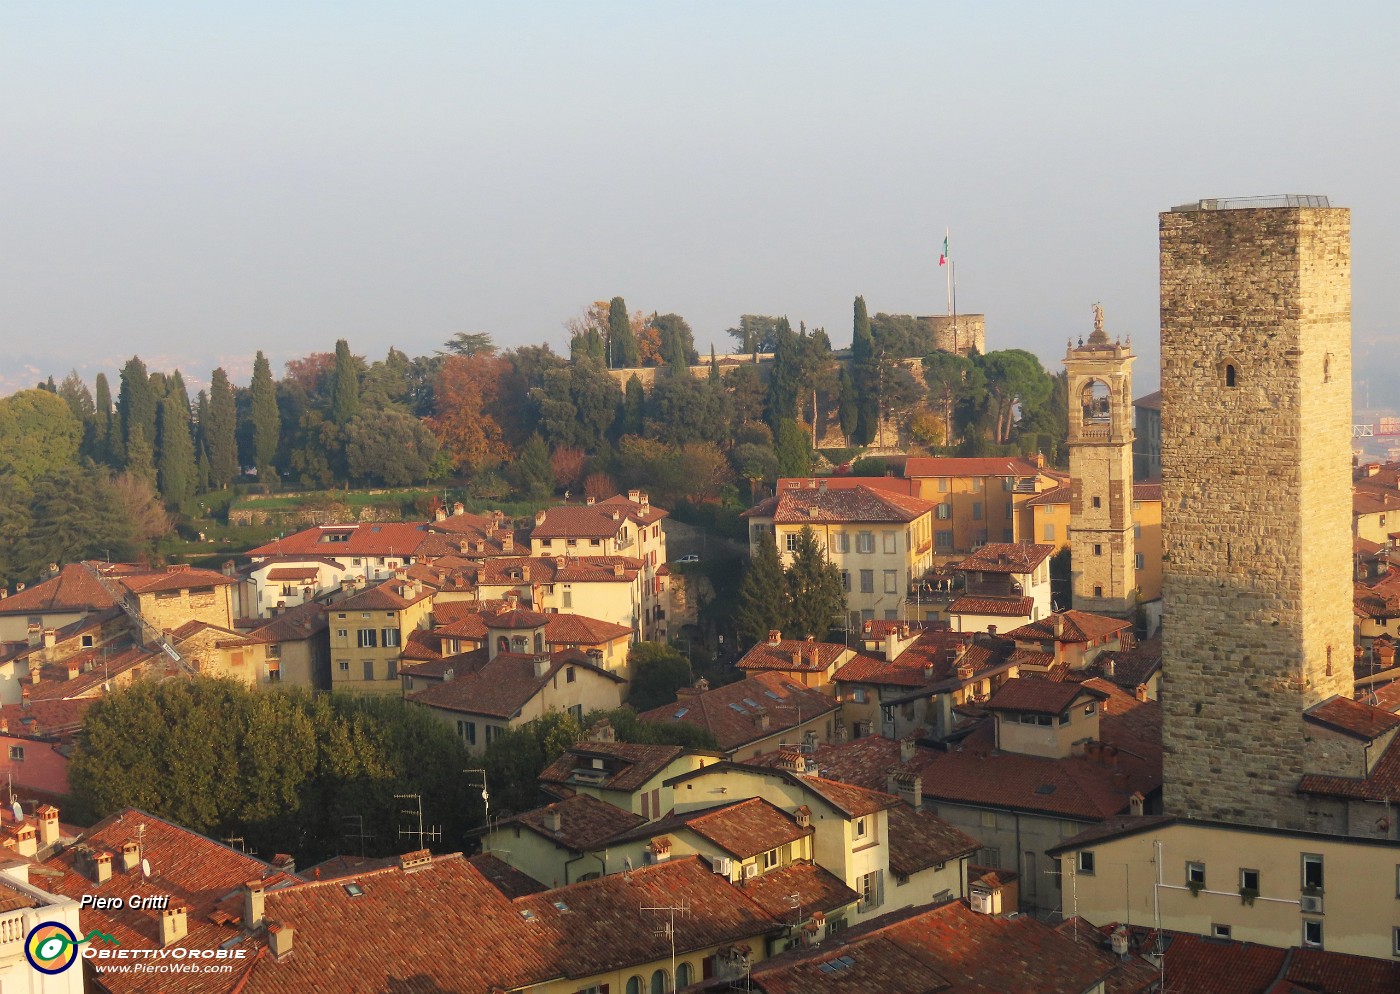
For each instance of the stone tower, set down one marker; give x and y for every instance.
(1102, 556)
(1256, 499)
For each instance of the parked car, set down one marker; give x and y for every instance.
(692, 558)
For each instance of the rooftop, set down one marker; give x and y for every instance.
(849, 505)
(623, 766)
(1006, 557)
(764, 705)
(502, 686)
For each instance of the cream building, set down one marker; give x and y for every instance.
(368, 631)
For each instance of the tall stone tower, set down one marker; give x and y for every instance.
(1256, 499)
(1102, 555)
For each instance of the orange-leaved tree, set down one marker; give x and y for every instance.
(466, 394)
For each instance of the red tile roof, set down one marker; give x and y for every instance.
(1001, 607)
(849, 505)
(919, 840)
(735, 713)
(173, 578)
(1353, 718)
(813, 888)
(391, 595)
(293, 573)
(574, 521)
(862, 762)
(1035, 696)
(746, 828)
(75, 588)
(515, 619)
(575, 629)
(625, 766)
(1006, 557)
(507, 879)
(501, 687)
(791, 655)
(949, 466)
(584, 822)
(293, 625)
(1056, 495)
(1074, 626)
(401, 540)
(1382, 784)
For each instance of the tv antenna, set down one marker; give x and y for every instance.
(668, 928)
(361, 835)
(486, 804)
(236, 842)
(420, 833)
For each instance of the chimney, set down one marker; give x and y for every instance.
(908, 787)
(1141, 692)
(891, 646)
(617, 569)
(27, 840)
(1385, 652)
(803, 816)
(440, 514)
(252, 904)
(1109, 666)
(174, 926)
(762, 720)
(552, 819)
(541, 666)
(508, 542)
(525, 573)
(279, 937)
(131, 855)
(796, 655)
(992, 630)
(986, 895)
(646, 501)
(101, 867)
(774, 636)
(458, 508)
(635, 496)
(50, 638)
(590, 501)
(907, 749)
(419, 857)
(75, 669)
(1059, 627)
(1135, 804)
(539, 518)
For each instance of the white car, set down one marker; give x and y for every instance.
(692, 558)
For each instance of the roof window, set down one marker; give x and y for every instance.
(354, 890)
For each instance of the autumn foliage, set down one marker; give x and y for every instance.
(468, 392)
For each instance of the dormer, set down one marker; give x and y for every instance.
(1042, 718)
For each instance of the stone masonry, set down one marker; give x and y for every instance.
(959, 334)
(1102, 551)
(1256, 502)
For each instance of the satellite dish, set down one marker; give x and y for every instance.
(17, 811)
(145, 867)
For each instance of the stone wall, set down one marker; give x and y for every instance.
(1256, 407)
(957, 333)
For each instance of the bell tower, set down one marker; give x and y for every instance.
(1102, 555)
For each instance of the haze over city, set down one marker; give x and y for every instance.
(195, 184)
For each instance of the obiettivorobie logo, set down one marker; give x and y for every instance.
(51, 947)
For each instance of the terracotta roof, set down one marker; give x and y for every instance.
(575, 629)
(947, 948)
(1353, 718)
(1147, 491)
(421, 645)
(391, 595)
(813, 887)
(94, 667)
(584, 822)
(768, 656)
(847, 505)
(1034, 696)
(576, 521)
(501, 687)
(173, 578)
(862, 762)
(893, 484)
(1056, 495)
(398, 539)
(1001, 607)
(56, 717)
(505, 878)
(626, 766)
(735, 713)
(746, 828)
(1152, 402)
(1368, 501)
(1006, 557)
(293, 625)
(1075, 626)
(919, 840)
(293, 573)
(75, 588)
(1131, 667)
(951, 466)
(516, 619)
(1382, 784)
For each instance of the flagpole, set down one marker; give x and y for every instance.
(948, 276)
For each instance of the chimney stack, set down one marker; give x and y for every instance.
(907, 749)
(552, 818)
(279, 937)
(541, 666)
(774, 636)
(1141, 692)
(635, 496)
(458, 508)
(50, 638)
(101, 867)
(539, 518)
(131, 855)
(174, 926)
(440, 514)
(253, 904)
(908, 787)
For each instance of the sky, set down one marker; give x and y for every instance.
(195, 182)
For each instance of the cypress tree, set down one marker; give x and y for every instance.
(201, 476)
(622, 344)
(136, 405)
(221, 431)
(793, 447)
(267, 422)
(633, 407)
(714, 365)
(140, 458)
(176, 462)
(846, 410)
(784, 381)
(865, 374)
(763, 604)
(345, 385)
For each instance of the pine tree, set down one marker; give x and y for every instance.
(865, 375)
(345, 385)
(622, 344)
(136, 405)
(816, 593)
(140, 457)
(267, 422)
(534, 469)
(221, 431)
(176, 462)
(763, 597)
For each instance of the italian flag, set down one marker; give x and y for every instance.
(943, 259)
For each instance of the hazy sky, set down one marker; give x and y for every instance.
(196, 181)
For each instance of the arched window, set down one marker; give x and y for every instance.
(1094, 399)
(503, 644)
(634, 985)
(1229, 374)
(658, 982)
(539, 641)
(682, 975)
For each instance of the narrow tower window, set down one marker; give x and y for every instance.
(1229, 374)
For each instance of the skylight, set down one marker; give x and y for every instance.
(772, 695)
(1045, 788)
(737, 707)
(751, 702)
(527, 914)
(354, 890)
(561, 906)
(681, 713)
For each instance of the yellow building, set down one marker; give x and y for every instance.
(881, 541)
(1271, 886)
(977, 500)
(368, 631)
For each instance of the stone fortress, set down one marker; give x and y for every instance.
(1256, 491)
